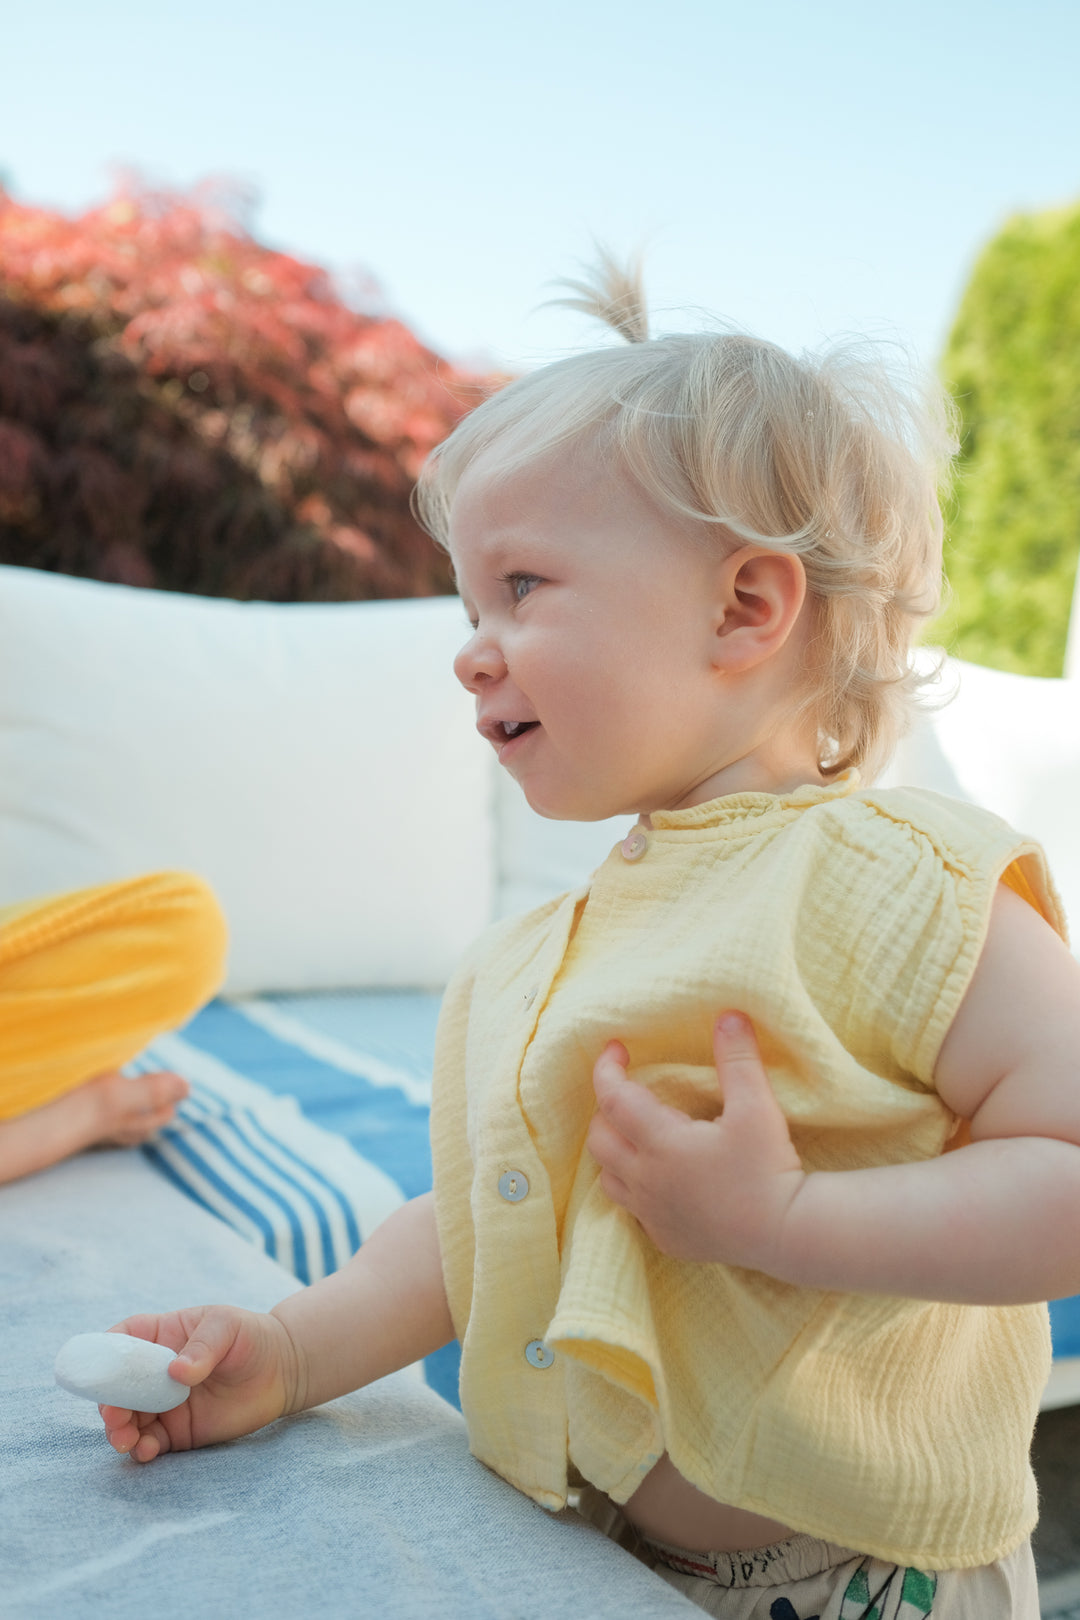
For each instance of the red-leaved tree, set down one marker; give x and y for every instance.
(182, 407)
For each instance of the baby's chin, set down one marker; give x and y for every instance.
(586, 808)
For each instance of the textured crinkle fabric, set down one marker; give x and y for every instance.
(847, 925)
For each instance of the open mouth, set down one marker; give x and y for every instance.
(515, 728)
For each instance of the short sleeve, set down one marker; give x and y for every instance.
(903, 886)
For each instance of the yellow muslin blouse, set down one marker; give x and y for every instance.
(847, 925)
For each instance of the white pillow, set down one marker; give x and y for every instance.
(1012, 744)
(538, 858)
(317, 763)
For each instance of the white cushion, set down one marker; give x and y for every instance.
(1012, 744)
(317, 763)
(536, 858)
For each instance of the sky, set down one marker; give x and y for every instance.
(804, 170)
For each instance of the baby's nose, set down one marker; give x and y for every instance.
(479, 661)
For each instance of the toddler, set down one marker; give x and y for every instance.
(751, 1308)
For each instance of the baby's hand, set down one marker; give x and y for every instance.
(241, 1368)
(702, 1189)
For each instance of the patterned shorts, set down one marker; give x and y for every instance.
(806, 1579)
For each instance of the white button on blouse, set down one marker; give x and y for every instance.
(513, 1186)
(537, 1354)
(634, 845)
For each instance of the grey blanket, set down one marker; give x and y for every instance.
(369, 1506)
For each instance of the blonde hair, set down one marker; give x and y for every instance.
(828, 456)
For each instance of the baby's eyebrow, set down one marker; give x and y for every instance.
(498, 549)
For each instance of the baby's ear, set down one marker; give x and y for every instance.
(762, 593)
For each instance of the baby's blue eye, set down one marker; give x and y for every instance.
(521, 585)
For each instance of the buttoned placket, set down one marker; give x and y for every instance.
(517, 1238)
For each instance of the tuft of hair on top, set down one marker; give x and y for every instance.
(839, 456)
(611, 292)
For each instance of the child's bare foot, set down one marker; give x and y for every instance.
(129, 1109)
(111, 1110)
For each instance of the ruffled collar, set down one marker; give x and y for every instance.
(736, 807)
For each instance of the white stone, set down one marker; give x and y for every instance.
(117, 1370)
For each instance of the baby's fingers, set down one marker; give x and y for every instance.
(629, 1109)
(208, 1343)
(152, 1441)
(738, 1059)
(744, 1083)
(608, 1146)
(121, 1429)
(201, 1338)
(140, 1435)
(168, 1329)
(610, 1067)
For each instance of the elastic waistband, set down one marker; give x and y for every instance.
(782, 1561)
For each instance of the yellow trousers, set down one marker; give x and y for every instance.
(88, 979)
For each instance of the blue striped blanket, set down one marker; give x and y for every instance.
(307, 1125)
(307, 1122)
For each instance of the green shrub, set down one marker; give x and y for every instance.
(1013, 524)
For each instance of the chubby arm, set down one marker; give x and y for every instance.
(996, 1222)
(385, 1309)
